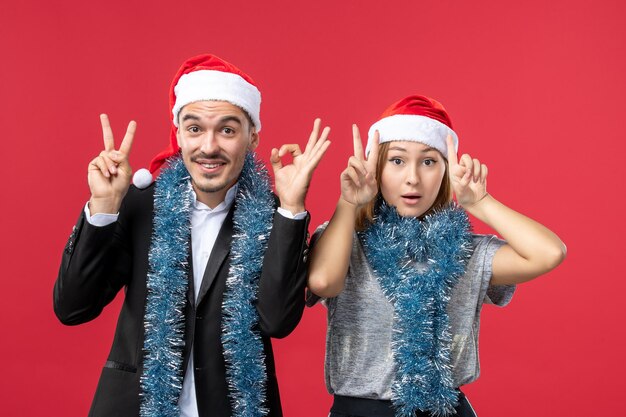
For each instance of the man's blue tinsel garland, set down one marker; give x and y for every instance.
(164, 319)
(167, 283)
(417, 263)
(243, 347)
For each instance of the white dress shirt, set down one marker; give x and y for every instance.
(205, 226)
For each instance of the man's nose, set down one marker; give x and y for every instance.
(209, 143)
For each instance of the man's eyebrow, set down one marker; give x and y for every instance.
(190, 117)
(222, 120)
(227, 119)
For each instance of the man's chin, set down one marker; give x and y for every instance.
(210, 188)
(212, 185)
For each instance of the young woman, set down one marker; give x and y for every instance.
(403, 277)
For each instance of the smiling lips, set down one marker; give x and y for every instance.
(210, 165)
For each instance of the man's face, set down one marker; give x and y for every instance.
(214, 137)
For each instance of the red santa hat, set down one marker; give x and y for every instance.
(416, 119)
(205, 77)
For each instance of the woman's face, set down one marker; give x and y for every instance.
(411, 177)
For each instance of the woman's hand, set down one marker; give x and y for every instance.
(468, 177)
(358, 180)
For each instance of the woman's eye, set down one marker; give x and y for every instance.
(429, 162)
(396, 161)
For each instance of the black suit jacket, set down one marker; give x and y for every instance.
(99, 261)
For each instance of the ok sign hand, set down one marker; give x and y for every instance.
(109, 173)
(292, 180)
(358, 180)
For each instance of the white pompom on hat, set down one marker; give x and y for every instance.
(415, 118)
(142, 178)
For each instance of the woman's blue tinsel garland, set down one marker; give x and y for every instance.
(243, 347)
(417, 263)
(164, 320)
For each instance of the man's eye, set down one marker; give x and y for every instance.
(193, 129)
(228, 130)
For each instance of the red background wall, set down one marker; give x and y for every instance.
(534, 88)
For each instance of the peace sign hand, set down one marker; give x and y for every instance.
(109, 173)
(292, 180)
(358, 180)
(468, 177)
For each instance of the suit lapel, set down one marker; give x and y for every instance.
(191, 294)
(218, 254)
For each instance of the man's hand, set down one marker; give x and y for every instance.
(292, 180)
(468, 177)
(109, 173)
(358, 180)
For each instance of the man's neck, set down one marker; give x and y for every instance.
(212, 199)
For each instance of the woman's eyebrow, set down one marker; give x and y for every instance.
(401, 149)
(397, 148)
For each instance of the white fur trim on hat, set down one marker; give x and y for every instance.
(413, 128)
(217, 85)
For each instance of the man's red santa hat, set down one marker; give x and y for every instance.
(205, 77)
(416, 119)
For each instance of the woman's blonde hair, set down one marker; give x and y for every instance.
(365, 215)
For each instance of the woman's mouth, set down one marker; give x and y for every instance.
(411, 199)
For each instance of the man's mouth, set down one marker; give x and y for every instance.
(214, 165)
(209, 163)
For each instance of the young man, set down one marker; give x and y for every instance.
(211, 267)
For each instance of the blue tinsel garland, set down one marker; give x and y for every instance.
(417, 263)
(243, 347)
(164, 319)
(167, 283)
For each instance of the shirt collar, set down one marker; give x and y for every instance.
(224, 205)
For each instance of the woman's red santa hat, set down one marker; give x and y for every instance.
(205, 77)
(416, 119)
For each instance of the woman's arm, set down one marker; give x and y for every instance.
(330, 255)
(531, 249)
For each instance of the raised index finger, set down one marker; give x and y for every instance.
(128, 138)
(372, 158)
(358, 145)
(452, 159)
(107, 133)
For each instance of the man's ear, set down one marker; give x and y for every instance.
(178, 137)
(254, 139)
